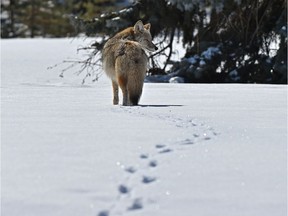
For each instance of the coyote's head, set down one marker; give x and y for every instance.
(143, 36)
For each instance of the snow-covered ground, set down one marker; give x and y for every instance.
(203, 150)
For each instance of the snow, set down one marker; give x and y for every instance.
(186, 150)
(176, 80)
(202, 63)
(210, 52)
(193, 59)
(234, 75)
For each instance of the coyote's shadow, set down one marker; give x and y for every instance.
(160, 105)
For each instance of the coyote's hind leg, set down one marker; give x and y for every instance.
(122, 80)
(115, 93)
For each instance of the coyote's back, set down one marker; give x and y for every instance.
(125, 61)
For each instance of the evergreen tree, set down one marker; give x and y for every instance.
(89, 9)
(31, 18)
(226, 40)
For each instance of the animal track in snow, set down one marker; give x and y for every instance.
(144, 156)
(103, 213)
(147, 164)
(137, 204)
(123, 189)
(130, 169)
(159, 146)
(153, 163)
(148, 179)
(184, 122)
(166, 150)
(163, 148)
(187, 142)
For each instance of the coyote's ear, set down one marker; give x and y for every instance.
(147, 26)
(139, 27)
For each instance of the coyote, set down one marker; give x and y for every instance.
(125, 61)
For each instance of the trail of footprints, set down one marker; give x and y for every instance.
(126, 200)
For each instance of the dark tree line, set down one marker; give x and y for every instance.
(33, 18)
(227, 41)
(48, 18)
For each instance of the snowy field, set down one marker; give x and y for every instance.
(187, 150)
